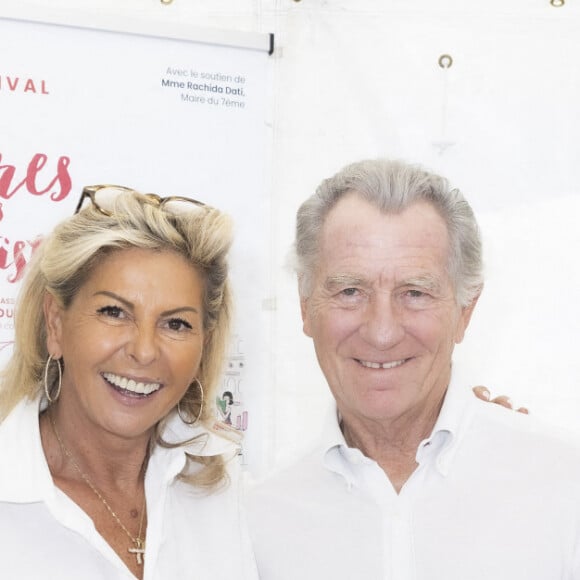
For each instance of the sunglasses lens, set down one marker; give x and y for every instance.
(179, 206)
(105, 197)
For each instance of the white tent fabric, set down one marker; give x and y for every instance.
(363, 79)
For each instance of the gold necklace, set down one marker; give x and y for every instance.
(139, 542)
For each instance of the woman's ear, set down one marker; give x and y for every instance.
(53, 314)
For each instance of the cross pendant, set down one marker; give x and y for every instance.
(138, 550)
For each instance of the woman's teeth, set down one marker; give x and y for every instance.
(131, 385)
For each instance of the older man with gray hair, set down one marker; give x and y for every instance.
(414, 478)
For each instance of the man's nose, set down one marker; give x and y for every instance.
(383, 324)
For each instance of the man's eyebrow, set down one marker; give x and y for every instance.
(342, 280)
(427, 282)
(128, 304)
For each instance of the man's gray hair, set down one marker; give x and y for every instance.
(392, 186)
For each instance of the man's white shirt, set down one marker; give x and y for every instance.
(494, 497)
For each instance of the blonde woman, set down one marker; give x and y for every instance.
(109, 467)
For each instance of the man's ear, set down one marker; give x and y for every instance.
(303, 306)
(465, 318)
(305, 316)
(53, 313)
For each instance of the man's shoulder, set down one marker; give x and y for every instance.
(522, 439)
(519, 425)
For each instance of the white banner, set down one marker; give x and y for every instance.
(81, 106)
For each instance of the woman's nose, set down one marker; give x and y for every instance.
(142, 345)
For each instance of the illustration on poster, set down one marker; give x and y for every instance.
(230, 405)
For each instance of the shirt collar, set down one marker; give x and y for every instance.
(204, 441)
(441, 445)
(339, 458)
(24, 473)
(199, 441)
(446, 436)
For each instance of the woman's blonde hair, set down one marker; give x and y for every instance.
(65, 259)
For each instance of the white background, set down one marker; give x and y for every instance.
(359, 79)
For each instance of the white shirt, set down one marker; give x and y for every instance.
(493, 498)
(45, 535)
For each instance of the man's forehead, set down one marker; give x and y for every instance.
(353, 207)
(363, 245)
(355, 222)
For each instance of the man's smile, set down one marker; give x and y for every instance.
(385, 365)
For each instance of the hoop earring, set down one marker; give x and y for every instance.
(54, 398)
(180, 412)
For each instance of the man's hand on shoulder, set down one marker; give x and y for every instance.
(483, 393)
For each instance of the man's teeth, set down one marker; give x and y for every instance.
(375, 365)
(131, 385)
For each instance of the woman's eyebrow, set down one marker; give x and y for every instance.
(124, 301)
(128, 304)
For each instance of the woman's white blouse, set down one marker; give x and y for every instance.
(45, 535)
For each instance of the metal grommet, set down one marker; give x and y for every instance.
(445, 61)
(557, 3)
(166, 1)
